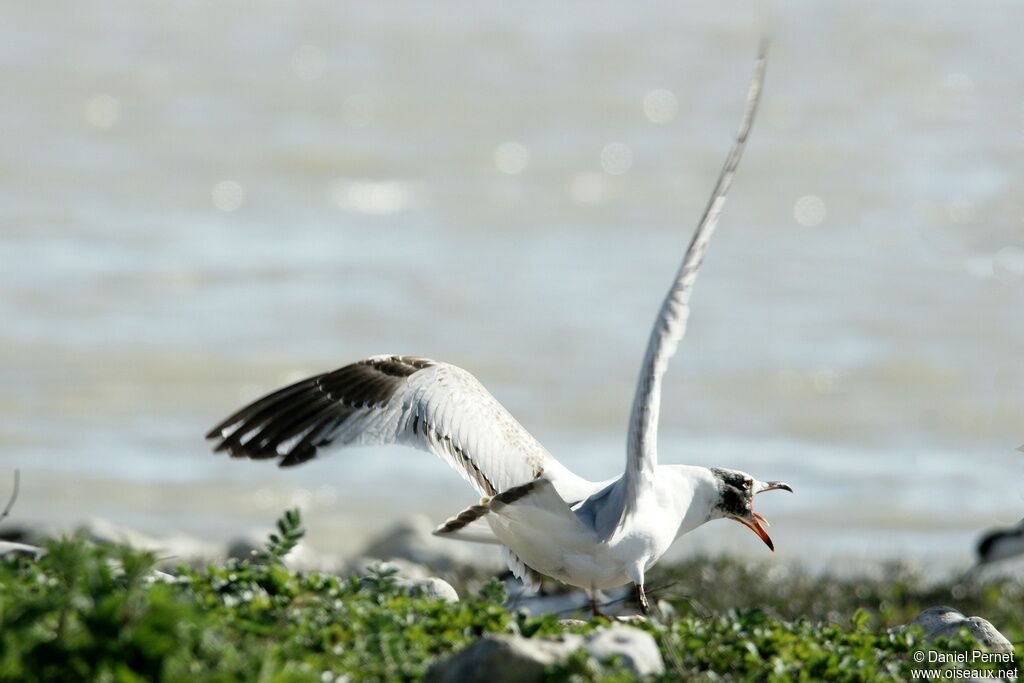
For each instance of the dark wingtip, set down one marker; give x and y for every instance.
(298, 456)
(984, 545)
(309, 409)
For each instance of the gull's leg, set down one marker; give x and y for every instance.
(636, 573)
(641, 598)
(592, 594)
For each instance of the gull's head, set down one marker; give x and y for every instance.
(736, 491)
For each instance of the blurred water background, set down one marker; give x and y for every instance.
(200, 202)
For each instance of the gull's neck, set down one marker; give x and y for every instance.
(681, 498)
(690, 493)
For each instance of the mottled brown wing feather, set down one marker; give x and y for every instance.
(406, 400)
(309, 411)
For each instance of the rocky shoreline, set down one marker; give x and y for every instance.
(415, 563)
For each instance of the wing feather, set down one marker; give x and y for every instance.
(670, 325)
(436, 407)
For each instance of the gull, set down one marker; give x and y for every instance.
(548, 520)
(1001, 544)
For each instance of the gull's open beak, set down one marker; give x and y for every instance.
(754, 524)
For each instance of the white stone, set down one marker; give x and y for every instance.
(638, 649)
(946, 622)
(12, 549)
(412, 578)
(504, 659)
(431, 587)
(361, 566)
(514, 659)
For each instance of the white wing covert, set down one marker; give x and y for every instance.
(389, 399)
(670, 325)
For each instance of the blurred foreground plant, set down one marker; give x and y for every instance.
(99, 613)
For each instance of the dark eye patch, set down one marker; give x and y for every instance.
(736, 492)
(736, 479)
(734, 501)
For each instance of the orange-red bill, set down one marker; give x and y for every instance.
(755, 526)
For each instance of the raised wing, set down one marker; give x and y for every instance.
(407, 400)
(670, 325)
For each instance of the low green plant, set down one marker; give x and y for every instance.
(289, 532)
(84, 612)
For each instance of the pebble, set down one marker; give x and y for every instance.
(515, 659)
(413, 539)
(946, 622)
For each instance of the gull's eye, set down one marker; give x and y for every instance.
(747, 483)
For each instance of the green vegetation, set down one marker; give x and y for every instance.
(891, 596)
(91, 613)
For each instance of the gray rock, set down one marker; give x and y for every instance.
(946, 622)
(12, 549)
(172, 548)
(29, 535)
(504, 659)
(414, 579)
(430, 587)
(404, 568)
(413, 539)
(514, 659)
(631, 619)
(157, 576)
(562, 601)
(243, 548)
(988, 635)
(638, 649)
(302, 557)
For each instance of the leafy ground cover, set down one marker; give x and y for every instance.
(97, 613)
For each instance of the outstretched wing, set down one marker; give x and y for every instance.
(670, 325)
(407, 400)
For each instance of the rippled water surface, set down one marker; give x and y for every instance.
(199, 203)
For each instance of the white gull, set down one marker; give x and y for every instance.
(548, 520)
